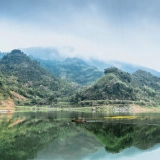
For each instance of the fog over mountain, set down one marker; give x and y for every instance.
(118, 30)
(44, 53)
(56, 55)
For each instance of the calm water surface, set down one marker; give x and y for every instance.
(52, 135)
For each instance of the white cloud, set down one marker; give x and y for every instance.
(89, 29)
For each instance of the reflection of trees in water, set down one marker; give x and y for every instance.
(23, 139)
(118, 136)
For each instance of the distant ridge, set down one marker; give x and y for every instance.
(54, 54)
(126, 67)
(2, 54)
(72, 69)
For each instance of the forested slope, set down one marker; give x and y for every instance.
(72, 69)
(118, 85)
(21, 76)
(27, 78)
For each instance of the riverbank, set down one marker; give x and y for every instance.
(136, 108)
(7, 109)
(104, 108)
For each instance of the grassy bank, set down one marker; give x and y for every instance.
(100, 108)
(100, 105)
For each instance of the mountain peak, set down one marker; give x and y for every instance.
(14, 51)
(15, 56)
(143, 73)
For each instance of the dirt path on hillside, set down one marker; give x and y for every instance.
(18, 96)
(7, 105)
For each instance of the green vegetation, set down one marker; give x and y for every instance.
(24, 138)
(4, 90)
(118, 136)
(139, 88)
(27, 83)
(26, 77)
(72, 69)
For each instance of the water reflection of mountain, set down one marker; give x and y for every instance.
(23, 138)
(116, 137)
(52, 139)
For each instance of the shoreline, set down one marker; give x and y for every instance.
(106, 108)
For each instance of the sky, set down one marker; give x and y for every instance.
(121, 30)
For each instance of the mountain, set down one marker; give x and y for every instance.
(115, 84)
(146, 79)
(72, 69)
(126, 67)
(55, 54)
(27, 83)
(27, 78)
(118, 85)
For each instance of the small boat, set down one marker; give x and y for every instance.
(79, 120)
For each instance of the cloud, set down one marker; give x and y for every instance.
(131, 153)
(107, 29)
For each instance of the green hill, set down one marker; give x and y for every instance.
(21, 76)
(4, 90)
(143, 78)
(118, 85)
(27, 78)
(72, 69)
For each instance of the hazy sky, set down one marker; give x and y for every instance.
(124, 30)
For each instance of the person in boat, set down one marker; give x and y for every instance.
(80, 120)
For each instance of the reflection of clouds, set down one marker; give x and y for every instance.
(70, 148)
(127, 154)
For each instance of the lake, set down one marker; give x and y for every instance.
(51, 135)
